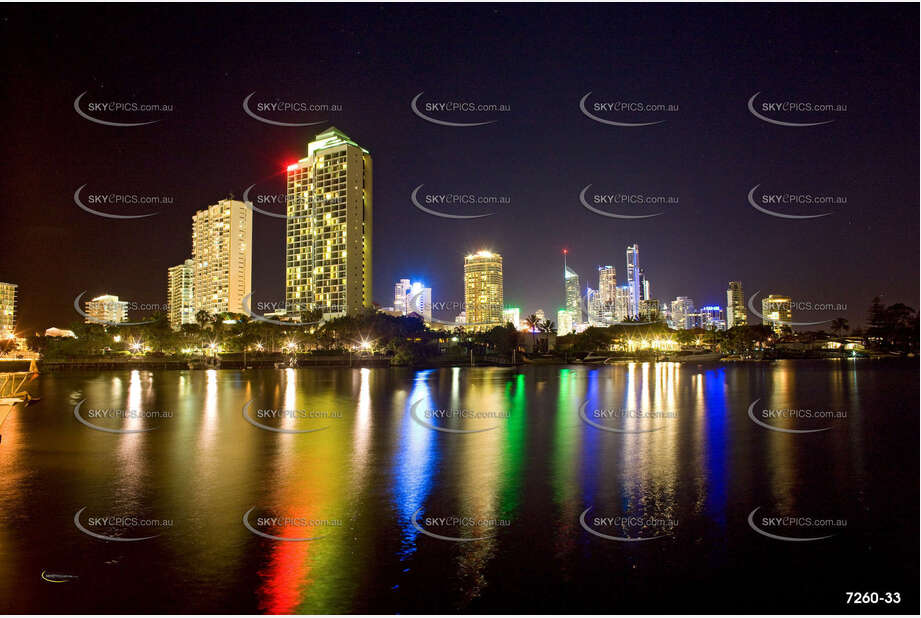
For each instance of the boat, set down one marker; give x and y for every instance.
(291, 363)
(692, 356)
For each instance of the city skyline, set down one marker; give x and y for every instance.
(694, 248)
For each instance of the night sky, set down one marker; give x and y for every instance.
(538, 60)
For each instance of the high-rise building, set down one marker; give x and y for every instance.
(634, 278)
(328, 260)
(593, 306)
(416, 299)
(540, 315)
(399, 295)
(222, 239)
(106, 309)
(649, 310)
(461, 319)
(483, 290)
(711, 317)
(513, 315)
(7, 310)
(607, 283)
(564, 322)
(682, 313)
(623, 303)
(735, 305)
(777, 312)
(572, 291)
(180, 294)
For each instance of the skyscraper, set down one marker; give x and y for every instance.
(735, 305)
(180, 294)
(623, 303)
(572, 291)
(649, 310)
(328, 261)
(564, 322)
(682, 313)
(106, 309)
(483, 290)
(7, 309)
(399, 295)
(222, 239)
(711, 317)
(607, 282)
(777, 312)
(512, 315)
(634, 278)
(416, 298)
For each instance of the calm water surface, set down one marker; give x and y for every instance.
(626, 488)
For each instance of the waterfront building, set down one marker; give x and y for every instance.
(106, 309)
(564, 322)
(735, 305)
(649, 310)
(416, 298)
(399, 295)
(711, 317)
(623, 303)
(329, 228)
(483, 291)
(777, 312)
(222, 238)
(7, 310)
(180, 295)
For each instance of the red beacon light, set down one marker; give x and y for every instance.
(293, 167)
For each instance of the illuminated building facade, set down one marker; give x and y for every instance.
(513, 315)
(483, 290)
(735, 305)
(222, 239)
(564, 322)
(649, 310)
(413, 298)
(682, 313)
(106, 309)
(180, 294)
(711, 317)
(777, 312)
(329, 228)
(7, 310)
(634, 278)
(572, 291)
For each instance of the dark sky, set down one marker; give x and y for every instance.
(540, 61)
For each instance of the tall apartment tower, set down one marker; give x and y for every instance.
(483, 290)
(106, 309)
(607, 286)
(180, 294)
(634, 278)
(572, 291)
(328, 240)
(7, 309)
(222, 239)
(735, 305)
(777, 312)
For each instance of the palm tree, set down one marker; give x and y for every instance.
(533, 325)
(839, 325)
